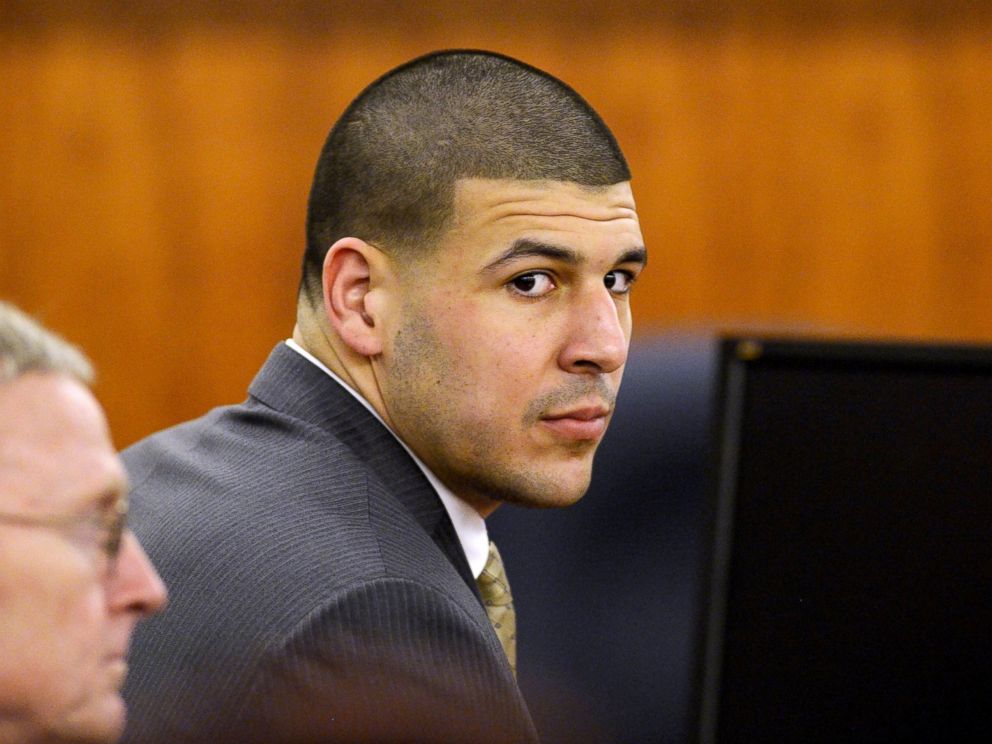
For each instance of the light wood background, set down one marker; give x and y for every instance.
(798, 164)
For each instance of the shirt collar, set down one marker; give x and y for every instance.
(468, 523)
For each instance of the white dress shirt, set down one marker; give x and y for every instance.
(469, 524)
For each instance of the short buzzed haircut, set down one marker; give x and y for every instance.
(25, 346)
(387, 172)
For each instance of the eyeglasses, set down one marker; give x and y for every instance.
(106, 526)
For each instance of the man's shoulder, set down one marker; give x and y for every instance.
(245, 438)
(297, 424)
(244, 471)
(247, 485)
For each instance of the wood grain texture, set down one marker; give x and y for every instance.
(797, 165)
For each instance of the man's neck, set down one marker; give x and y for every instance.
(353, 370)
(467, 519)
(357, 374)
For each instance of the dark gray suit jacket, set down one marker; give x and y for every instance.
(318, 592)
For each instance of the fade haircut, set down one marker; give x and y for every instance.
(387, 172)
(25, 346)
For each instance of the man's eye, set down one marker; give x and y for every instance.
(618, 282)
(535, 284)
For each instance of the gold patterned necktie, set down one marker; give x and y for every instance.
(495, 591)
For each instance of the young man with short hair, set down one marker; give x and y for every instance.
(463, 322)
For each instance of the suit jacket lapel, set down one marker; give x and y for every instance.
(291, 384)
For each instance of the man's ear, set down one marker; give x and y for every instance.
(348, 271)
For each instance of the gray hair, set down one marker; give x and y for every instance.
(26, 346)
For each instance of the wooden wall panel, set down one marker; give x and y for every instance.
(801, 170)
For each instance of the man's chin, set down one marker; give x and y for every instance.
(546, 491)
(555, 501)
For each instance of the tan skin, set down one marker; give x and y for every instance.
(496, 357)
(66, 610)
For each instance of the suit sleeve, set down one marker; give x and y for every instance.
(388, 661)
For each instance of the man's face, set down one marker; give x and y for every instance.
(505, 353)
(66, 610)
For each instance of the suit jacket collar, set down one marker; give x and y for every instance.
(292, 385)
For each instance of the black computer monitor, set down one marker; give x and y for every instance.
(850, 591)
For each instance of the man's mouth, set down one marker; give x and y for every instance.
(581, 423)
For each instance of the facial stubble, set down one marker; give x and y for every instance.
(427, 382)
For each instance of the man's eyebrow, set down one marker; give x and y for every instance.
(526, 248)
(635, 255)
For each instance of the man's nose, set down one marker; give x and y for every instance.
(598, 334)
(134, 584)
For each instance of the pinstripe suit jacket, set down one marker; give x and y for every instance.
(318, 592)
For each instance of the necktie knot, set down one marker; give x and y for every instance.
(495, 591)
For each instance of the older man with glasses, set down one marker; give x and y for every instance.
(73, 580)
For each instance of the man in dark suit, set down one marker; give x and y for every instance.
(463, 321)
